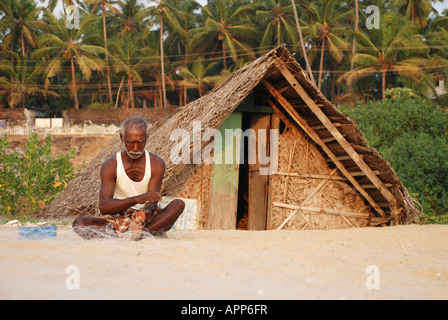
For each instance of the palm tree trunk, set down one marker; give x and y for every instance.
(109, 86)
(186, 66)
(22, 43)
(75, 91)
(383, 86)
(118, 93)
(131, 92)
(279, 40)
(200, 87)
(302, 43)
(356, 30)
(321, 63)
(224, 54)
(352, 64)
(12, 65)
(161, 61)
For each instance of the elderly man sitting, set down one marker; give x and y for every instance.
(130, 190)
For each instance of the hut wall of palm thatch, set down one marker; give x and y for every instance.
(304, 179)
(328, 177)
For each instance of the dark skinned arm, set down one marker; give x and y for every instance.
(155, 183)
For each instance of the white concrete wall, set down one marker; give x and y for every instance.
(56, 128)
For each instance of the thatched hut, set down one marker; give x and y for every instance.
(327, 176)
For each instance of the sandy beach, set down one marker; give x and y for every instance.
(409, 262)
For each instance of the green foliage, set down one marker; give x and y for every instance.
(48, 67)
(412, 135)
(399, 93)
(421, 161)
(32, 178)
(100, 106)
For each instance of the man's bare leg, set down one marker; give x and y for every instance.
(165, 219)
(93, 228)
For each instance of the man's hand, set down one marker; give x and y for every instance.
(150, 196)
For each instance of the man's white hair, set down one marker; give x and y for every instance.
(136, 122)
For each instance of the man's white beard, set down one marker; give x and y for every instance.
(133, 155)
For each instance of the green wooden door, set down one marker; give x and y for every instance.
(224, 193)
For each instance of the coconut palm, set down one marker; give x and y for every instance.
(199, 75)
(106, 4)
(176, 42)
(131, 20)
(164, 12)
(356, 28)
(129, 59)
(21, 23)
(436, 35)
(277, 20)
(21, 80)
(417, 11)
(66, 45)
(329, 30)
(302, 42)
(227, 26)
(396, 47)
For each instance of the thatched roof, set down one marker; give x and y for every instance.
(283, 84)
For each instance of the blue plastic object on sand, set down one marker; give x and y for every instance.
(37, 233)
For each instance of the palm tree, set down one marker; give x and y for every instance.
(105, 4)
(302, 43)
(130, 59)
(199, 75)
(328, 27)
(131, 21)
(163, 10)
(436, 35)
(21, 22)
(65, 45)
(356, 27)
(276, 19)
(396, 47)
(178, 39)
(21, 80)
(227, 25)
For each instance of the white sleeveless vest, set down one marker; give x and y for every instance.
(125, 187)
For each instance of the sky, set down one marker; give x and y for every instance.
(441, 6)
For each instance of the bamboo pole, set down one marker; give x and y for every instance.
(361, 215)
(309, 175)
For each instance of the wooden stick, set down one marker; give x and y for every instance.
(291, 154)
(361, 215)
(360, 173)
(309, 175)
(350, 223)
